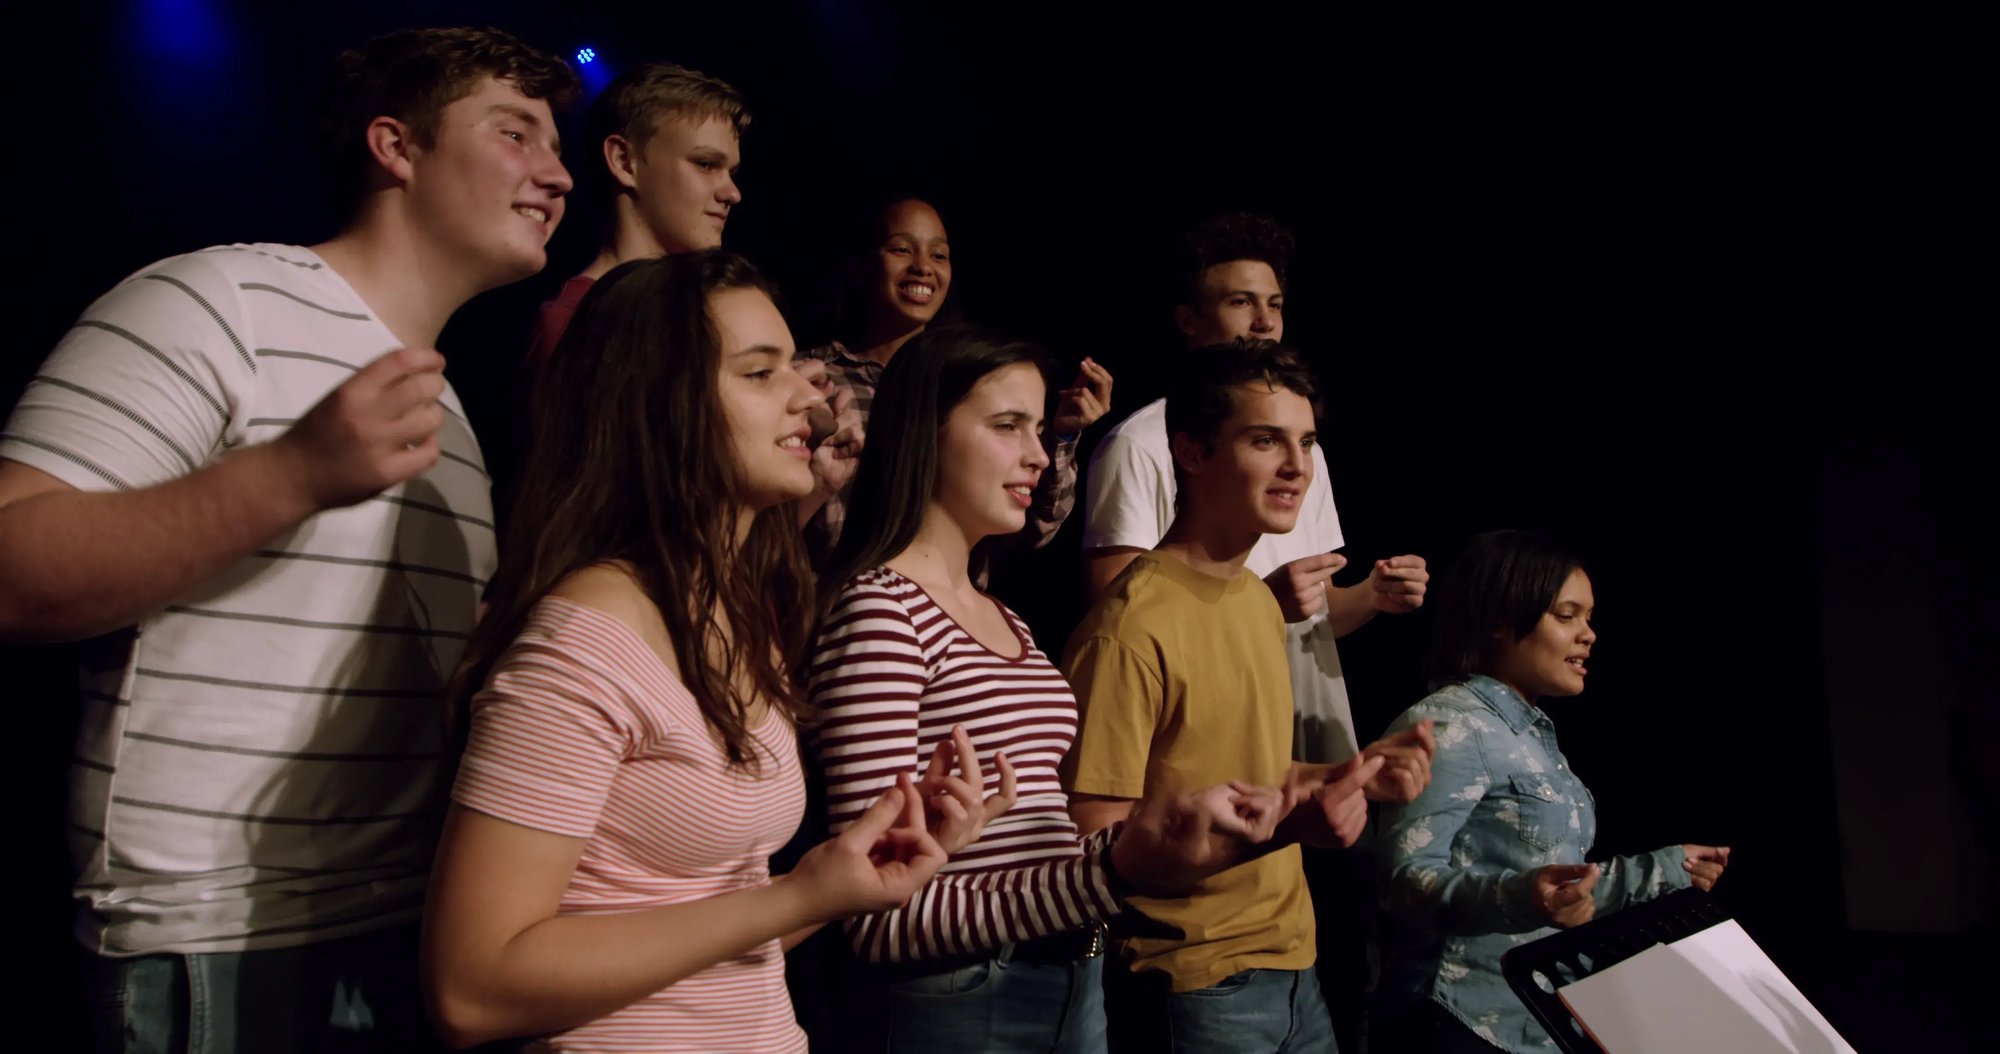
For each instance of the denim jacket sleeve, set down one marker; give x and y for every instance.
(1623, 881)
(1423, 879)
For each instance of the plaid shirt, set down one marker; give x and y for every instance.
(1054, 496)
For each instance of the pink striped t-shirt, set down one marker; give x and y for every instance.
(891, 675)
(582, 731)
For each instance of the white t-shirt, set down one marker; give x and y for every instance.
(258, 762)
(1128, 500)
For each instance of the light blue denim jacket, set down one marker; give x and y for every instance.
(1457, 863)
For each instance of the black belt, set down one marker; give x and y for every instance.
(1074, 946)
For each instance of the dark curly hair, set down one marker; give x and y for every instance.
(1233, 236)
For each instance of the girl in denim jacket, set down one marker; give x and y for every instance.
(1491, 854)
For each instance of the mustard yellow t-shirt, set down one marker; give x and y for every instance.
(1181, 683)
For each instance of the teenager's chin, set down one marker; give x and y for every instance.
(1273, 524)
(917, 316)
(521, 267)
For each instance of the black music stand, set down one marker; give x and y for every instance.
(1571, 955)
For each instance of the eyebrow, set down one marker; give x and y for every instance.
(1254, 293)
(914, 238)
(1279, 430)
(760, 349)
(522, 113)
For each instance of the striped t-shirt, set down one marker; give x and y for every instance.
(257, 764)
(893, 673)
(583, 732)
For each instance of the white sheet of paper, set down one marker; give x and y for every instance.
(1714, 991)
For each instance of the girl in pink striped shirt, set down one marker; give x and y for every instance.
(630, 759)
(914, 664)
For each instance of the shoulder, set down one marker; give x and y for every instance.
(1140, 437)
(572, 291)
(878, 584)
(204, 276)
(1463, 719)
(233, 267)
(609, 592)
(874, 593)
(1124, 610)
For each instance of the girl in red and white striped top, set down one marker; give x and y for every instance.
(602, 879)
(915, 665)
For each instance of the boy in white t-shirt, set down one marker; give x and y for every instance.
(1233, 290)
(243, 473)
(1234, 274)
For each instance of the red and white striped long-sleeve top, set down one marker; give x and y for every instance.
(892, 674)
(582, 731)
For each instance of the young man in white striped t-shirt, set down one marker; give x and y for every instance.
(243, 473)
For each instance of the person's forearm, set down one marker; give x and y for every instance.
(76, 564)
(800, 936)
(1627, 880)
(1054, 496)
(1461, 900)
(572, 969)
(974, 912)
(1348, 608)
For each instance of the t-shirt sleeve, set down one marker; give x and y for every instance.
(145, 387)
(548, 734)
(867, 683)
(553, 321)
(1124, 494)
(1120, 702)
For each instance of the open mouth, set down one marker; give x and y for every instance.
(795, 445)
(1022, 493)
(539, 215)
(917, 292)
(1576, 662)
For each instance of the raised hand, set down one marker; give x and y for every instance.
(820, 416)
(1300, 586)
(954, 812)
(1171, 842)
(1330, 811)
(878, 863)
(1562, 893)
(836, 455)
(1406, 764)
(376, 430)
(1704, 864)
(1397, 585)
(1086, 399)
(1246, 810)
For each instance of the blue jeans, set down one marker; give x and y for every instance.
(1260, 1011)
(1000, 1006)
(353, 994)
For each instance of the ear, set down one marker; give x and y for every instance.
(622, 160)
(1189, 453)
(392, 147)
(1184, 319)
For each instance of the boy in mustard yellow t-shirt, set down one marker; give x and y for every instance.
(1182, 681)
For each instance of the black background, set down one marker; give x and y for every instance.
(1656, 282)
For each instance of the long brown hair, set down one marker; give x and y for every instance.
(629, 462)
(922, 385)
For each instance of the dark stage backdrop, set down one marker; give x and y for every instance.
(1666, 289)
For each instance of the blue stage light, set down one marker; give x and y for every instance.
(586, 56)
